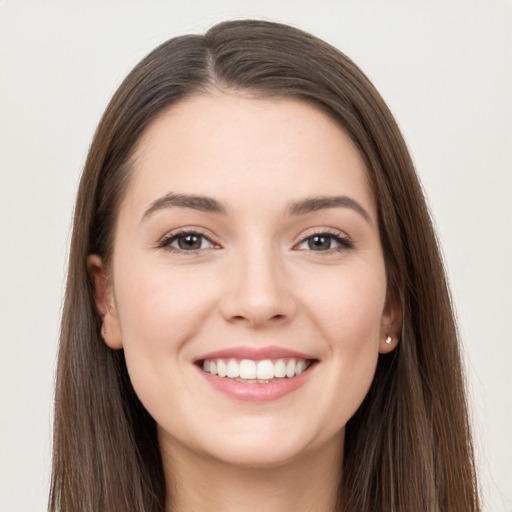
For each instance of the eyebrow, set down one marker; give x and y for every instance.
(208, 204)
(314, 204)
(194, 202)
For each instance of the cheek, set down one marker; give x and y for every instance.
(348, 318)
(348, 305)
(160, 311)
(159, 303)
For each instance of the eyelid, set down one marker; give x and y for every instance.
(341, 237)
(164, 242)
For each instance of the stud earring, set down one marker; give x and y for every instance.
(388, 341)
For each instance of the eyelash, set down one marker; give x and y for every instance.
(166, 242)
(344, 242)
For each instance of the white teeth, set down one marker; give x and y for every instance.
(247, 369)
(280, 368)
(233, 369)
(222, 369)
(290, 368)
(299, 367)
(265, 369)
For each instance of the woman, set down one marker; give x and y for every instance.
(256, 313)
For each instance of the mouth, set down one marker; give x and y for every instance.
(250, 371)
(256, 374)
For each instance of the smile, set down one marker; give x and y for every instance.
(254, 371)
(256, 374)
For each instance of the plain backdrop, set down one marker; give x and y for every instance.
(445, 69)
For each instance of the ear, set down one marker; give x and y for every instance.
(391, 323)
(104, 297)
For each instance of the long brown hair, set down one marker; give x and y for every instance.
(408, 447)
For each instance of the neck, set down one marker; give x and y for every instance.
(309, 483)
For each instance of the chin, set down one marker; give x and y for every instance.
(258, 457)
(263, 447)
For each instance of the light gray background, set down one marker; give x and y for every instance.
(444, 67)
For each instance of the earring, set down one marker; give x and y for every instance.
(388, 341)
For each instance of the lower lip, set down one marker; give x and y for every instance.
(254, 392)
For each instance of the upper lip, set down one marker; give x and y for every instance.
(254, 353)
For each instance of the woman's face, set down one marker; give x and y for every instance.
(249, 239)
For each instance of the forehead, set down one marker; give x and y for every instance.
(240, 148)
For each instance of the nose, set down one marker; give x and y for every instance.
(257, 292)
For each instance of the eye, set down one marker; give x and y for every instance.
(187, 241)
(323, 242)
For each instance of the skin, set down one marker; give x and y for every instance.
(255, 281)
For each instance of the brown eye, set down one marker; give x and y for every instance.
(324, 242)
(320, 242)
(187, 242)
